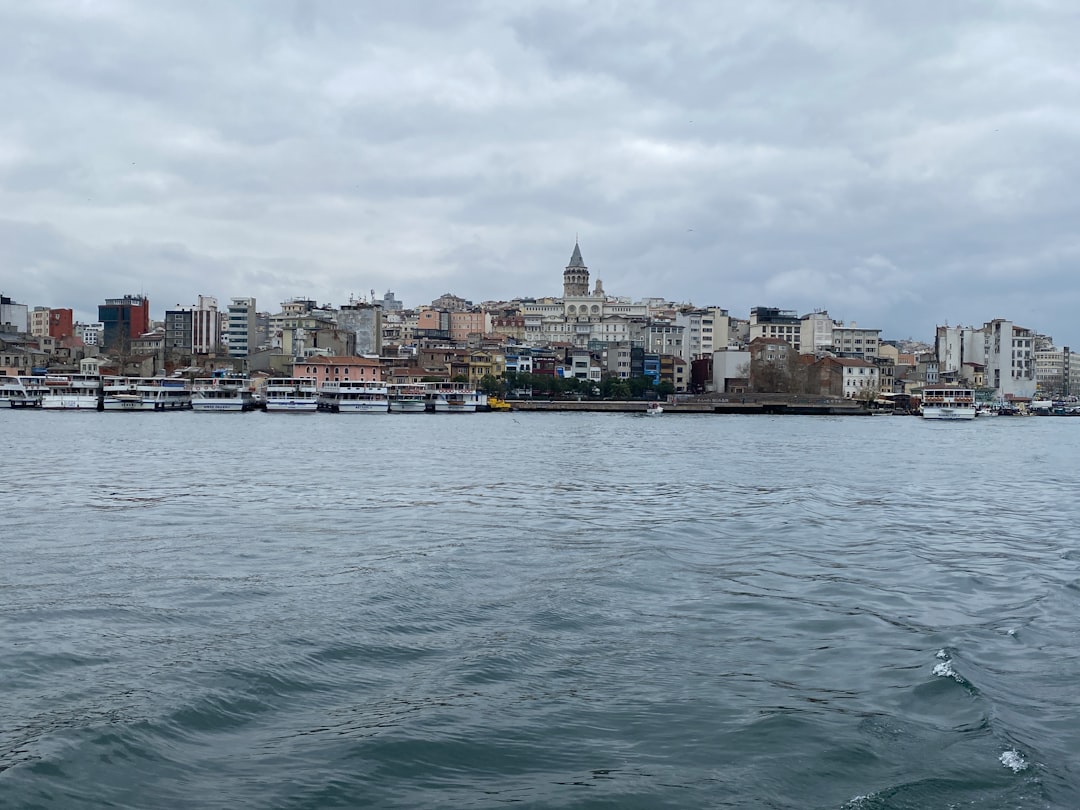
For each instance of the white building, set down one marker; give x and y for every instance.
(704, 331)
(1010, 359)
(13, 317)
(859, 377)
(240, 327)
(816, 332)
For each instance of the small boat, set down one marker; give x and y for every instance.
(497, 404)
(654, 409)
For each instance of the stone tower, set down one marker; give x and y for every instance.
(575, 276)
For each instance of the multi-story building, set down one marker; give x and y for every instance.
(1010, 359)
(193, 330)
(451, 303)
(664, 337)
(61, 323)
(853, 340)
(123, 319)
(13, 317)
(464, 323)
(704, 331)
(1057, 371)
(366, 322)
(816, 332)
(338, 369)
(849, 377)
(770, 322)
(240, 328)
(89, 333)
(39, 321)
(390, 303)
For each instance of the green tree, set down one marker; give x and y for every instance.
(491, 385)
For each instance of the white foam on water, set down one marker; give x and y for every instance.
(857, 802)
(1012, 759)
(945, 670)
(942, 654)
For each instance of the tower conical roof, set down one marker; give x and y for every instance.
(575, 259)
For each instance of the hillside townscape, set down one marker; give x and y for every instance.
(584, 342)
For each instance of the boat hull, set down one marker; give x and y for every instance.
(69, 402)
(291, 406)
(954, 413)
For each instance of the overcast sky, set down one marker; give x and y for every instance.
(900, 164)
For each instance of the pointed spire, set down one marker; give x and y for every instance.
(575, 259)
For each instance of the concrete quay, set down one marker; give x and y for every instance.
(750, 404)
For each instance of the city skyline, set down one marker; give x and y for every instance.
(899, 167)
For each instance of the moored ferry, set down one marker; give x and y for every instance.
(222, 394)
(74, 392)
(20, 392)
(354, 396)
(292, 394)
(948, 402)
(407, 397)
(451, 397)
(145, 394)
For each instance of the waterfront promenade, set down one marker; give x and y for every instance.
(724, 404)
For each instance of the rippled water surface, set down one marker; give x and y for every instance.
(541, 610)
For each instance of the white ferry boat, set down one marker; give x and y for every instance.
(292, 394)
(450, 397)
(20, 392)
(354, 396)
(948, 402)
(74, 392)
(145, 394)
(223, 394)
(408, 397)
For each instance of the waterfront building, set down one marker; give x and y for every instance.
(339, 369)
(730, 371)
(1057, 371)
(848, 377)
(1010, 359)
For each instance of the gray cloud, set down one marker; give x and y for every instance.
(898, 164)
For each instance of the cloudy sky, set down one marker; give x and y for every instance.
(900, 164)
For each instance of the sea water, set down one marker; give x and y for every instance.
(538, 610)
